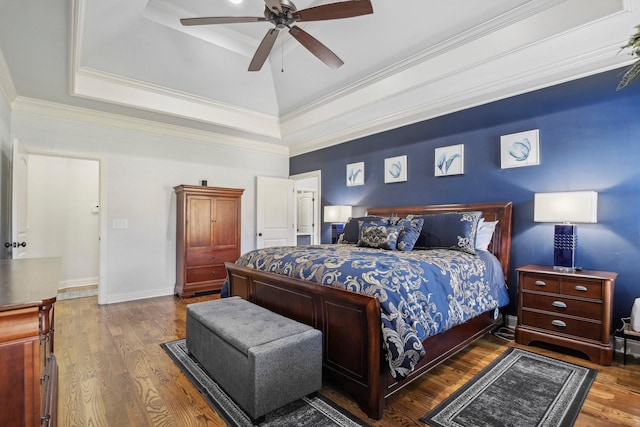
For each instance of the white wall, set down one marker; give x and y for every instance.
(138, 173)
(60, 197)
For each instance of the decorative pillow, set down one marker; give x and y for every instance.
(351, 230)
(409, 233)
(378, 236)
(485, 234)
(452, 230)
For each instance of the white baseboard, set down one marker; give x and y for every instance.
(77, 283)
(115, 298)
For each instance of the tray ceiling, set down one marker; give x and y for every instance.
(409, 61)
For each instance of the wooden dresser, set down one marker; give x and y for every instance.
(567, 309)
(29, 376)
(207, 235)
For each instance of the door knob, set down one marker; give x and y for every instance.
(15, 244)
(259, 234)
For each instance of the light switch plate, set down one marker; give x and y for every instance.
(120, 224)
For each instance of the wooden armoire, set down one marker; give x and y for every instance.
(207, 236)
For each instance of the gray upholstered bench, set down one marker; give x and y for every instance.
(261, 359)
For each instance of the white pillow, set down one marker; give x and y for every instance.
(485, 233)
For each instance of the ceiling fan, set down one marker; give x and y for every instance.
(283, 14)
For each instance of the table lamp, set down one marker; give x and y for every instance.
(337, 215)
(566, 208)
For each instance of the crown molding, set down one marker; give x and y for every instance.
(424, 56)
(98, 85)
(570, 68)
(89, 83)
(65, 112)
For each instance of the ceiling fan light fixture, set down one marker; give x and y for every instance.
(284, 14)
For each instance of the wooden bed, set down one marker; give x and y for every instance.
(353, 357)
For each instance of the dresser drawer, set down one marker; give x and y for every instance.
(581, 288)
(557, 304)
(541, 282)
(198, 258)
(206, 274)
(564, 325)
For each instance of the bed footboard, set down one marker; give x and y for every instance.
(350, 325)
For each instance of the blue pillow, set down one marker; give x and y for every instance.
(409, 233)
(453, 230)
(378, 236)
(351, 230)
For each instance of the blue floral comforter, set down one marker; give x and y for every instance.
(421, 292)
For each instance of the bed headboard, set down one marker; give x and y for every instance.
(500, 245)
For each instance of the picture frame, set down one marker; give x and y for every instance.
(449, 160)
(395, 169)
(355, 174)
(520, 149)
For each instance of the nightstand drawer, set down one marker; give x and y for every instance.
(540, 282)
(197, 258)
(581, 288)
(564, 325)
(557, 304)
(206, 274)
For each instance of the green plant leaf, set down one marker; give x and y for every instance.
(634, 71)
(630, 75)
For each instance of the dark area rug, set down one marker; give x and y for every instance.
(519, 388)
(316, 411)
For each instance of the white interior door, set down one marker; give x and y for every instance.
(305, 212)
(19, 222)
(276, 212)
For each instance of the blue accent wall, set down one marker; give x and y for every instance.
(589, 140)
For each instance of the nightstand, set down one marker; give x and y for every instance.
(572, 310)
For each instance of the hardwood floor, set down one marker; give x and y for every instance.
(114, 373)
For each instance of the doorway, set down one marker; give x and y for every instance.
(308, 196)
(63, 215)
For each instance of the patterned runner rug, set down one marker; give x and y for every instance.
(519, 388)
(317, 411)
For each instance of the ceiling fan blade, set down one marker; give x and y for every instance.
(264, 49)
(274, 5)
(314, 46)
(345, 9)
(221, 20)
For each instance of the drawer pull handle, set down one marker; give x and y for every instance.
(213, 273)
(559, 323)
(581, 288)
(559, 304)
(540, 283)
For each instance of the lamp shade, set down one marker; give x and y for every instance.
(566, 207)
(337, 213)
